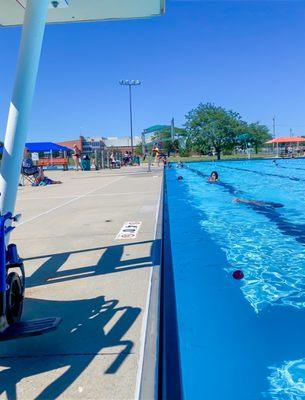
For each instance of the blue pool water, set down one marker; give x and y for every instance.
(239, 339)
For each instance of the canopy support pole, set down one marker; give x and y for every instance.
(22, 98)
(143, 143)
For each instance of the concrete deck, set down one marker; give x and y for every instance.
(77, 270)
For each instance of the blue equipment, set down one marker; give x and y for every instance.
(12, 286)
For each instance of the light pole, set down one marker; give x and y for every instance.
(130, 84)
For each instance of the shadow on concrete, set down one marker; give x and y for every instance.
(91, 329)
(109, 262)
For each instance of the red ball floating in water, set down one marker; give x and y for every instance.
(238, 274)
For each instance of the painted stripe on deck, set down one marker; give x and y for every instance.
(69, 202)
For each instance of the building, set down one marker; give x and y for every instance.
(71, 143)
(88, 145)
(121, 143)
(91, 145)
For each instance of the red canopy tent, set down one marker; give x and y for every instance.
(285, 140)
(295, 139)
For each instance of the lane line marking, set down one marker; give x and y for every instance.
(69, 202)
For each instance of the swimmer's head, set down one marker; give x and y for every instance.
(180, 178)
(214, 176)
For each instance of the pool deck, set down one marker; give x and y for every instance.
(100, 286)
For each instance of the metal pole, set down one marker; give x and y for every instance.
(149, 163)
(273, 127)
(173, 129)
(65, 167)
(95, 159)
(130, 110)
(143, 144)
(18, 118)
(103, 159)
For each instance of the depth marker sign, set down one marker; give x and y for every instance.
(129, 230)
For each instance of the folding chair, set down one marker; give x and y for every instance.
(29, 175)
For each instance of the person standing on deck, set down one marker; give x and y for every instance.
(76, 156)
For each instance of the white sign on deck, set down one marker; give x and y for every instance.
(129, 230)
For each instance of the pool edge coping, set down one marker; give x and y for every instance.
(149, 370)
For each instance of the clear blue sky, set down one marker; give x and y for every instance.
(244, 55)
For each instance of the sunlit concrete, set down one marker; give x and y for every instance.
(77, 270)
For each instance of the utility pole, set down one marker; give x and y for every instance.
(273, 127)
(173, 129)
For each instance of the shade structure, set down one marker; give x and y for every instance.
(40, 147)
(296, 139)
(43, 147)
(244, 137)
(155, 128)
(12, 11)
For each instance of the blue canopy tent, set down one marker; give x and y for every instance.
(44, 147)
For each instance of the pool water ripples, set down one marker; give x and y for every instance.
(287, 382)
(268, 245)
(273, 262)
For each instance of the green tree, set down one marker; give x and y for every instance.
(211, 127)
(138, 149)
(253, 134)
(259, 135)
(168, 145)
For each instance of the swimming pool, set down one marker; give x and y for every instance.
(239, 339)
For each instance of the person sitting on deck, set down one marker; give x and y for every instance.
(126, 159)
(27, 164)
(213, 177)
(43, 180)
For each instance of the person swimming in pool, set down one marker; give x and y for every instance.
(258, 203)
(213, 177)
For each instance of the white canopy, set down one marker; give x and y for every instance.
(12, 11)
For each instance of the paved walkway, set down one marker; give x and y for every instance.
(77, 270)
